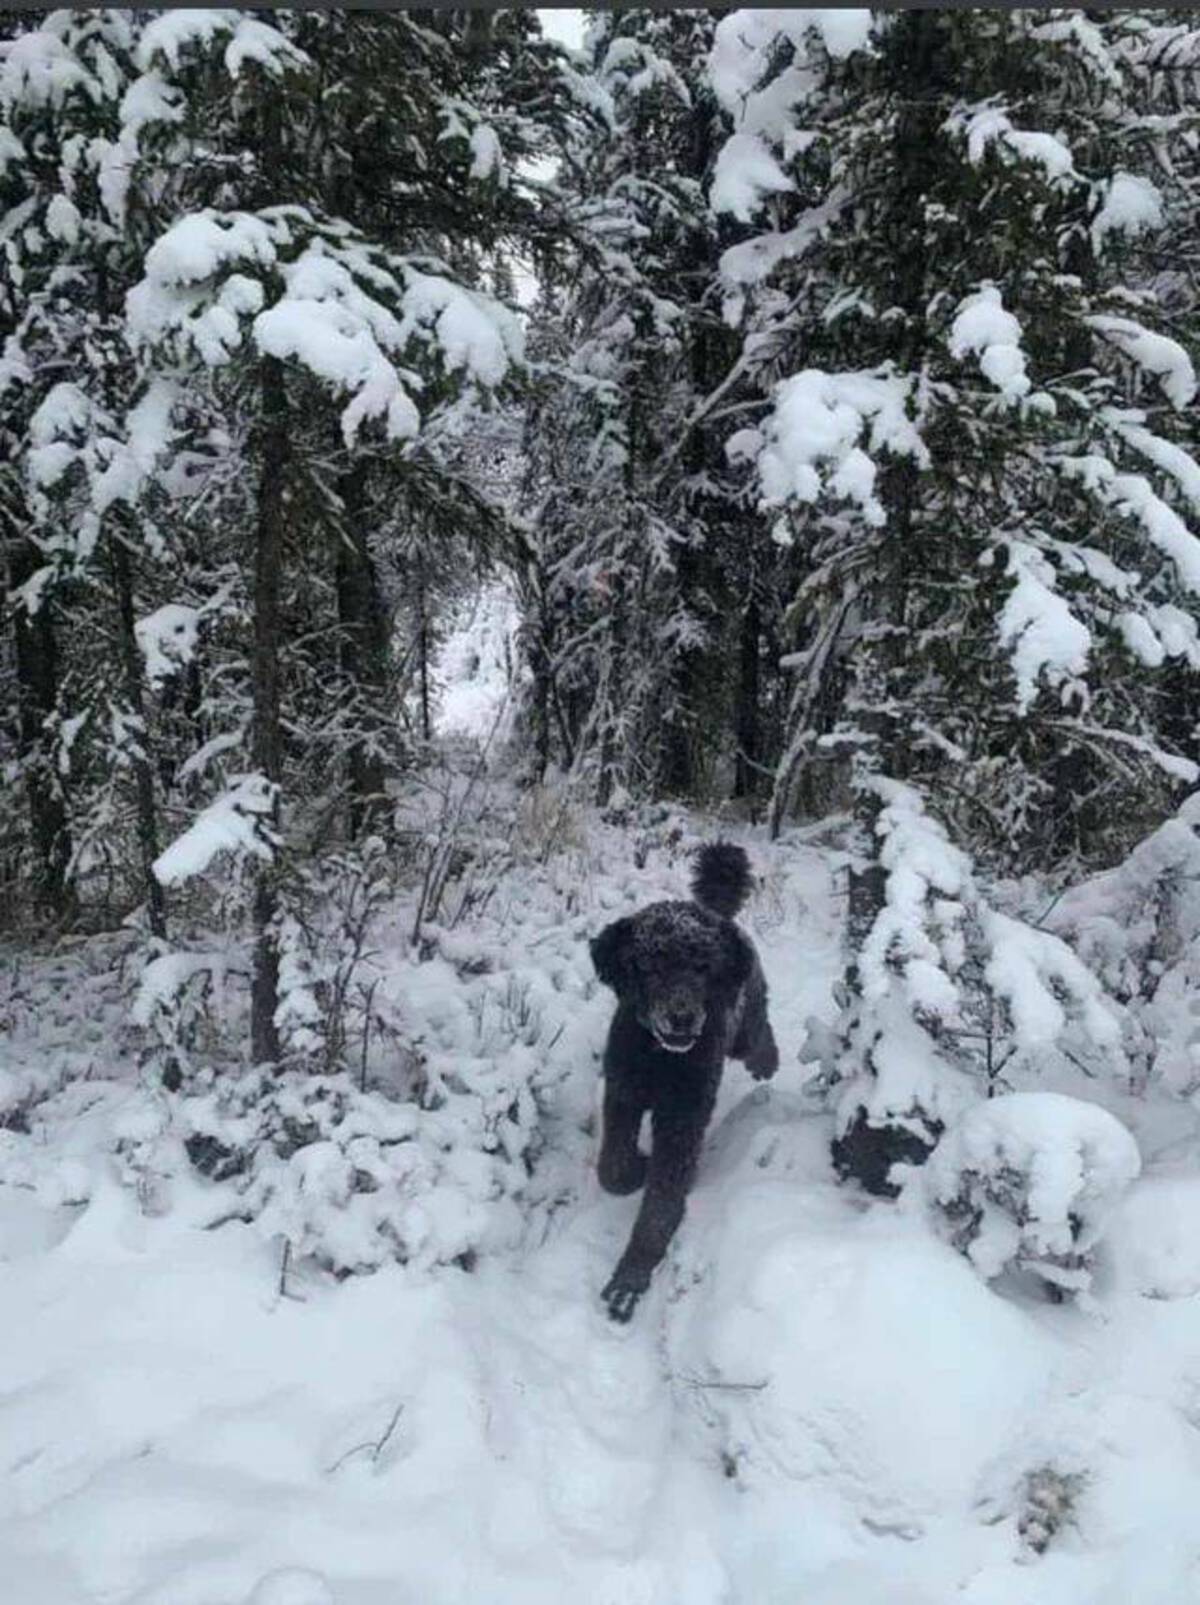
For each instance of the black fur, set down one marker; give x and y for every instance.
(722, 878)
(690, 994)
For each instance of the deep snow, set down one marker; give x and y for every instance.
(819, 1400)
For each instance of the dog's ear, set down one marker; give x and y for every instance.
(737, 961)
(612, 954)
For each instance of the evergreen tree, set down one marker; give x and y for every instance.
(249, 345)
(974, 439)
(83, 422)
(325, 344)
(996, 562)
(642, 573)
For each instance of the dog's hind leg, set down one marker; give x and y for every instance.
(621, 1167)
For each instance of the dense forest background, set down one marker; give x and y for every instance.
(814, 389)
(445, 478)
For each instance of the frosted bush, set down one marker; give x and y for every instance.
(1137, 927)
(1030, 1182)
(353, 1179)
(950, 991)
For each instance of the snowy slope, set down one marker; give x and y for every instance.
(818, 1400)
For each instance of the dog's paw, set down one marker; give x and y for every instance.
(622, 1293)
(624, 1176)
(763, 1062)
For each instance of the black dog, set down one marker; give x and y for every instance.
(690, 994)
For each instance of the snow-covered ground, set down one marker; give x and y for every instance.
(474, 668)
(818, 1401)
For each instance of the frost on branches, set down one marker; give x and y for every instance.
(1137, 927)
(952, 1000)
(1030, 1182)
(314, 292)
(410, 1120)
(983, 459)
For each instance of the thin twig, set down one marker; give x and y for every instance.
(366, 1037)
(726, 1387)
(374, 1447)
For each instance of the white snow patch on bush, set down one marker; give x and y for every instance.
(1031, 1180)
(1156, 354)
(173, 34)
(984, 328)
(167, 638)
(239, 821)
(487, 159)
(812, 437)
(1165, 454)
(745, 40)
(1037, 626)
(744, 174)
(987, 127)
(1132, 205)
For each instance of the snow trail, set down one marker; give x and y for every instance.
(818, 1398)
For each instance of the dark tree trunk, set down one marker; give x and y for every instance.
(424, 650)
(679, 757)
(864, 1151)
(612, 751)
(36, 662)
(141, 760)
(539, 662)
(692, 685)
(747, 711)
(267, 742)
(364, 653)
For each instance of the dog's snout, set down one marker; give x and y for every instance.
(681, 1020)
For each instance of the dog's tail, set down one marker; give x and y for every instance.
(722, 879)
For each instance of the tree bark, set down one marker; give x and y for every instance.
(364, 652)
(141, 762)
(36, 661)
(692, 680)
(747, 711)
(267, 742)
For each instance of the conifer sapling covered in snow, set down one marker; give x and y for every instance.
(1030, 1181)
(951, 998)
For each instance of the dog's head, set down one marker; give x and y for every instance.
(673, 964)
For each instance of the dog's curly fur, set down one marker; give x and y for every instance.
(690, 994)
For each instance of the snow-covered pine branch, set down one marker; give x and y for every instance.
(368, 325)
(240, 821)
(1137, 927)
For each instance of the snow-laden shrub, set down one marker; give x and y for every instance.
(353, 1179)
(1138, 928)
(951, 996)
(407, 1121)
(180, 996)
(1049, 1498)
(1030, 1182)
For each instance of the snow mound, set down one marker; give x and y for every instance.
(1032, 1180)
(844, 1350)
(1155, 1238)
(293, 1585)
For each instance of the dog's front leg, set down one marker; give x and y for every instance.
(621, 1167)
(676, 1149)
(755, 1044)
